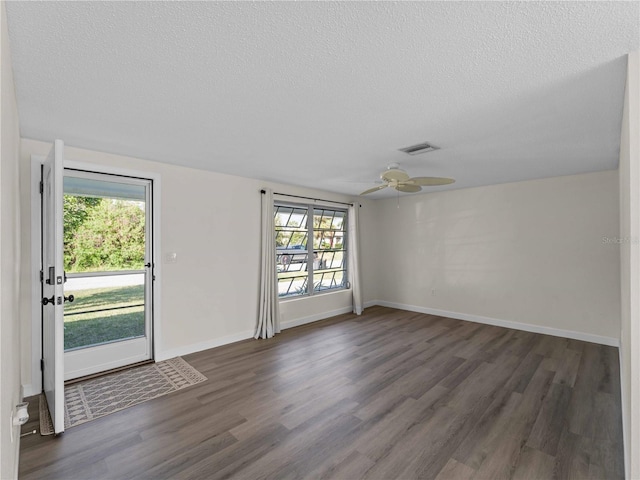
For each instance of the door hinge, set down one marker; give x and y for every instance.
(42, 365)
(41, 276)
(41, 187)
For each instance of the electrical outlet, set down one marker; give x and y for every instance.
(18, 417)
(171, 257)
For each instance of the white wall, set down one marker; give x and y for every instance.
(531, 253)
(629, 172)
(10, 393)
(210, 296)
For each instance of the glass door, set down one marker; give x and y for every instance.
(107, 257)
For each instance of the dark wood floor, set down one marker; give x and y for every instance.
(390, 394)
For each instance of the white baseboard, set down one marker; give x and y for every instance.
(236, 337)
(28, 391)
(198, 347)
(314, 318)
(527, 327)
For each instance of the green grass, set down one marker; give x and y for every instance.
(93, 328)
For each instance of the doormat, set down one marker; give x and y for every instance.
(97, 397)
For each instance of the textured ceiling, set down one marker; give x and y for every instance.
(323, 94)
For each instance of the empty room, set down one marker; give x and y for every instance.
(337, 240)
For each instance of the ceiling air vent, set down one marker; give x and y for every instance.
(419, 148)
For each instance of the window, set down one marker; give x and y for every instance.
(304, 270)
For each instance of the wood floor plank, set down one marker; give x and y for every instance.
(389, 394)
(568, 369)
(353, 466)
(504, 339)
(305, 448)
(534, 465)
(481, 387)
(546, 432)
(489, 429)
(433, 376)
(497, 454)
(84, 460)
(72, 472)
(598, 372)
(454, 470)
(607, 439)
(479, 342)
(177, 462)
(571, 460)
(393, 427)
(409, 455)
(228, 462)
(524, 372)
(461, 373)
(160, 445)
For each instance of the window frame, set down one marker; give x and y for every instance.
(310, 270)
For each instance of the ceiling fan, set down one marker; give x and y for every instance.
(397, 178)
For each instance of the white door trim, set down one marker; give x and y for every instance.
(36, 334)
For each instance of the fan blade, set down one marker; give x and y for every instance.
(374, 189)
(408, 188)
(430, 181)
(394, 174)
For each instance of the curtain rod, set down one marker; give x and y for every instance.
(309, 198)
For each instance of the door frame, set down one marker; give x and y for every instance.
(95, 359)
(36, 326)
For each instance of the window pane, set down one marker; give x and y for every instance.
(338, 221)
(290, 228)
(295, 259)
(290, 217)
(286, 262)
(329, 280)
(291, 239)
(322, 218)
(292, 285)
(326, 260)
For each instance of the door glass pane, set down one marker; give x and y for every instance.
(103, 234)
(105, 309)
(104, 231)
(100, 188)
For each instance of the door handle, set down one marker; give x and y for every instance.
(52, 300)
(47, 301)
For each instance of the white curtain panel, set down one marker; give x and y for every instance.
(269, 315)
(354, 258)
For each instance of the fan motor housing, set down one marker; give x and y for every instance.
(394, 174)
